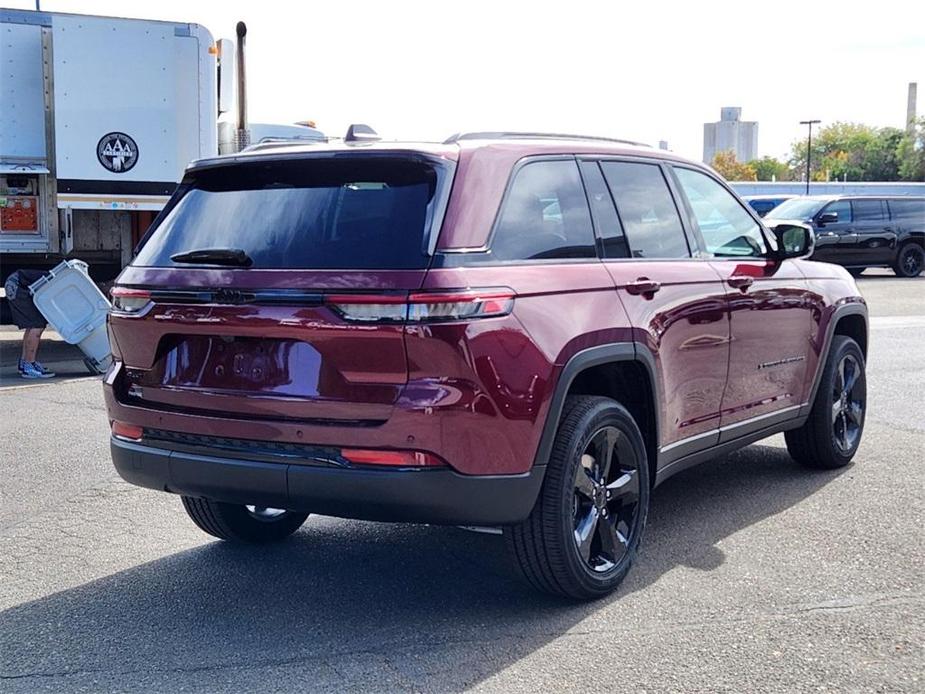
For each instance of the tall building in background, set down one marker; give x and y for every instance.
(730, 133)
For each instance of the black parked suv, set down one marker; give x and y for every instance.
(859, 232)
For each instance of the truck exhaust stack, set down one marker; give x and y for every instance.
(242, 134)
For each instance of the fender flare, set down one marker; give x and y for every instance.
(852, 309)
(587, 358)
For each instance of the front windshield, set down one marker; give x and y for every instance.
(797, 208)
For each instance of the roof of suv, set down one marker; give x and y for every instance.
(523, 144)
(484, 162)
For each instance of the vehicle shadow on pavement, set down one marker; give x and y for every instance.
(350, 604)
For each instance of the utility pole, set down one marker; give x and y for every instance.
(809, 150)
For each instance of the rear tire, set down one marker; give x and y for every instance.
(831, 436)
(238, 523)
(584, 531)
(910, 260)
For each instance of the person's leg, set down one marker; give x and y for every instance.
(30, 344)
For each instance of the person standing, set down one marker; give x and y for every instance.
(28, 318)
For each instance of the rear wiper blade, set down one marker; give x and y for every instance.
(214, 256)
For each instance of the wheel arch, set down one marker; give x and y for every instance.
(853, 325)
(623, 371)
(916, 237)
(848, 319)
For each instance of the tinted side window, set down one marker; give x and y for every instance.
(908, 210)
(728, 230)
(840, 207)
(605, 216)
(867, 210)
(545, 215)
(647, 210)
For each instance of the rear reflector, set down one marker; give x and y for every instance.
(127, 431)
(390, 458)
(423, 307)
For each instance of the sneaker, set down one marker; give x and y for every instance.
(42, 369)
(22, 365)
(35, 370)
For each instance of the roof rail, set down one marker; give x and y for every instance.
(271, 142)
(489, 135)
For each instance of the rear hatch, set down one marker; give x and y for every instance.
(277, 288)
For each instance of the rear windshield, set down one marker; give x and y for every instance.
(325, 213)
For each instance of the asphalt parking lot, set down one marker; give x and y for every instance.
(755, 575)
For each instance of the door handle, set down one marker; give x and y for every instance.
(742, 282)
(643, 285)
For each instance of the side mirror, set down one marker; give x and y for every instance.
(827, 218)
(794, 240)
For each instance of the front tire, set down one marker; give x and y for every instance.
(584, 531)
(910, 261)
(239, 523)
(832, 433)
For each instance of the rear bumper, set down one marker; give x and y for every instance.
(438, 496)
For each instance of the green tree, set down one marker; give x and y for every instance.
(881, 160)
(910, 152)
(732, 169)
(770, 169)
(854, 151)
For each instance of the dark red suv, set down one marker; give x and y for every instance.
(504, 330)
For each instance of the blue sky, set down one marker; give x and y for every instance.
(655, 70)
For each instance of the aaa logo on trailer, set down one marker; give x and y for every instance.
(117, 152)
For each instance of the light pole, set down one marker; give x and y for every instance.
(809, 150)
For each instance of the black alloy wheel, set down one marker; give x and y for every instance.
(606, 499)
(910, 261)
(847, 404)
(584, 532)
(831, 435)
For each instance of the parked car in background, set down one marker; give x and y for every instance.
(762, 204)
(506, 330)
(859, 232)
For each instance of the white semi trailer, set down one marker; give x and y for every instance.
(98, 118)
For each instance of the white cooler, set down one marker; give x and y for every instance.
(75, 307)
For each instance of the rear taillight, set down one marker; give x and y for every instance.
(126, 300)
(362, 456)
(423, 307)
(129, 432)
(369, 308)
